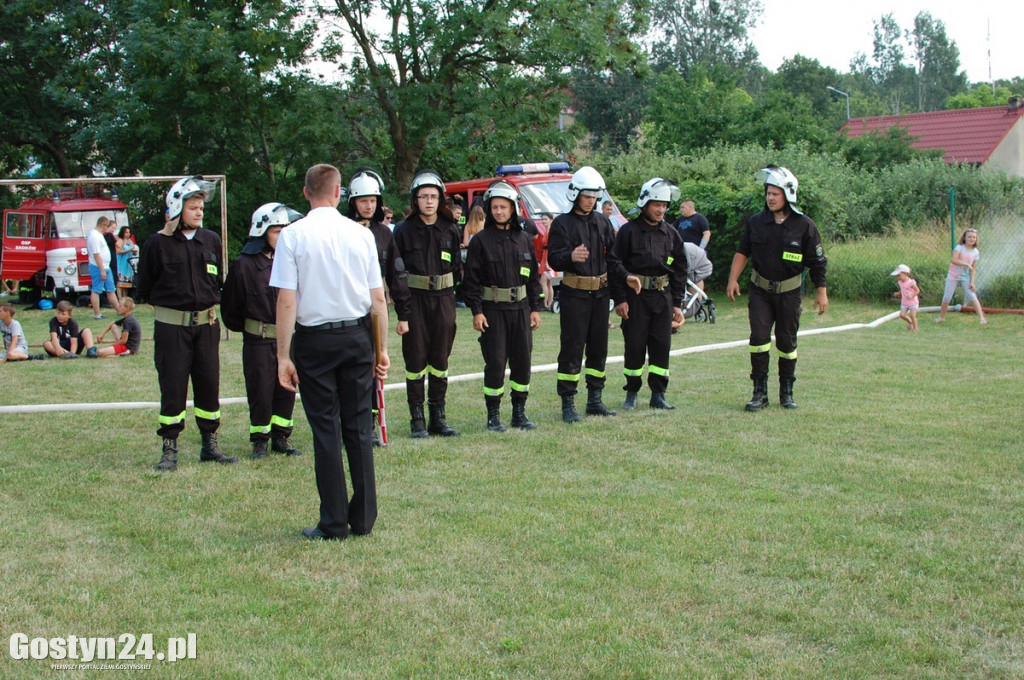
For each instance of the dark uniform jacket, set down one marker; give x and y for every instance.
(247, 292)
(782, 251)
(392, 268)
(569, 230)
(180, 273)
(504, 259)
(429, 250)
(651, 250)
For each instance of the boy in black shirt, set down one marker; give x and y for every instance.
(66, 340)
(131, 331)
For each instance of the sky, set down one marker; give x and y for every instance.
(834, 32)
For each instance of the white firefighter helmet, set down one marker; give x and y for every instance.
(502, 189)
(271, 215)
(586, 181)
(426, 178)
(657, 189)
(781, 178)
(185, 188)
(365, 183)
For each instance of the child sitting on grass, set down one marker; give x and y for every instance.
(66, 340)
(15, 347)
(908, 294)
(131, 331)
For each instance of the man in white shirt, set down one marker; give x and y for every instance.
(330, 294)
(99, 267)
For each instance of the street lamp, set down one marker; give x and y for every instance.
(841, 94)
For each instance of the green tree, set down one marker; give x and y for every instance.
(978, 96)
(888, 75)
(214, 87)
(429, 65)
(610, 105)
(55, 57)
(686, 115)
(686, 33)
(805, 77)
(938, 63)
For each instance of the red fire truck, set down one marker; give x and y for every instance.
(44, 239)
(541, 186)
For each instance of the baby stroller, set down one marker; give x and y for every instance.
(697, 305)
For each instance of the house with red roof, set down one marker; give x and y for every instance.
(991, 136)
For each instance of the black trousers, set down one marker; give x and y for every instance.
(182, 353)
(584, 323)
(335, 371)
(781, 310)
(270, 405)
(647, 333)
(427, 346)
(507, 340)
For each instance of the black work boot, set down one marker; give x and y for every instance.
(169, 459)
(760, 398)
(211, 450)
(569, 413)
(281, 445)
(595, 407)
(658, 401)
(630, 403)
(494, 414)
(438, 423)
(519, 418)
(786, 391)
(259, 449)
(417, 423)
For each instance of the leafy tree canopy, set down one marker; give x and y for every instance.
(425, 66)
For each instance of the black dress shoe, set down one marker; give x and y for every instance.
(317, 534)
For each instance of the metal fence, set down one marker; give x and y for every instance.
(860, 269)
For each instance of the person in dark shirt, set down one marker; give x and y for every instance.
(67, 341)
(130, 336)
(693, 226)
(180, 274)
(365, 196)
(652, 250)
(429, 242)
(502, 290)
(249, 307)
(781, 242)
(580, 245)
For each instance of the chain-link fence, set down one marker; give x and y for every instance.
(860, 269)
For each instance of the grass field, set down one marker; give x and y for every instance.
(873, 533)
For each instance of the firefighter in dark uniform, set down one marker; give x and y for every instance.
(365, 206)
(652, 249)
(428, 240)
(249, 306)
(502, 289)
(782, 242)
(180, 274)
(580, 245)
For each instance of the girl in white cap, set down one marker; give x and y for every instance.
(908, 294)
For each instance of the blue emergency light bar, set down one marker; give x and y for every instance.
(523, 168)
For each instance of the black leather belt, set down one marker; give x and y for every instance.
(330, 325)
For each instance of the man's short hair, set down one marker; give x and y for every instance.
(64, 306)
(321, 180)
(128, 302)
(102, 220)
(7, 307)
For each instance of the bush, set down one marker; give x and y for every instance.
(908, 202)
